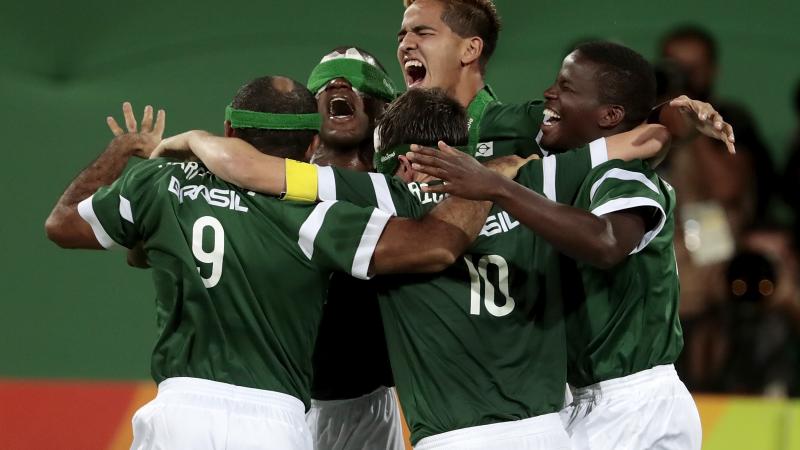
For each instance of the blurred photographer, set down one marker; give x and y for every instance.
(764, 316)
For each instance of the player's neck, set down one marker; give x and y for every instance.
(608, 132)
(347, 157)
(469, 85)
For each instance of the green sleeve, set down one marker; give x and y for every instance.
(509, 129)
(618, 186)
(115, 211)
(384, 192)
(340, 236)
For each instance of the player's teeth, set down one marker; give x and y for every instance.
(550, 114)
(413, 63)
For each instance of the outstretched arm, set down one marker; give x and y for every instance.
(602, 241)
(231, 159)
(64, 225)
(685, 118)
(434, 242)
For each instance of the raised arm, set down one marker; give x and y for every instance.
(602, 241)
(434, 242)
(231, 159)
(64, 225)
(684, 118)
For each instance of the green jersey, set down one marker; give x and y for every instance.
(478, 343)
(499, 129)
(240, 278)
(624, 320)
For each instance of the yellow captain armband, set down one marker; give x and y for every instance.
(301, 182)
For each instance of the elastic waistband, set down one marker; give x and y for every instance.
(626, 382)
(199, 386)
(494, 431)
(379, 392)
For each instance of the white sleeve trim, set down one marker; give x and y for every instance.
(626, 175)
(382, 193)
(621, 204)
(86, 211)
(311, 227)
(598, 150)
(369, 240)
(539, 144)
(326, 184)
(549, 177)
(125, 209)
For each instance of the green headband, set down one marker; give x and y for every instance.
(362, 75)
(386, 161)
(241, 118)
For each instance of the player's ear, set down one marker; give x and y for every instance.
(473, 48)
(312, 147)
(229, 131)
(611, 116)
(404, 170)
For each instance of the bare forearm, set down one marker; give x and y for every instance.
(577, 233)
(64, 226)
(468, 216)
(238, 162)
(649, 142)
(432, 243)
(414, 246)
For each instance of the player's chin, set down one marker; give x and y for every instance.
(550, 137)
(343, 135)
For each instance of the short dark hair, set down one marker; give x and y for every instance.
(624, 78)
(469, 18)
(425, 117)
(266, 94)
(695, 33)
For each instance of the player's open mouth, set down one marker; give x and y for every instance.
(415, 72)
(340, 108)
(550, 117)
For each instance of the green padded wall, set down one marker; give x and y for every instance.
(64, 66)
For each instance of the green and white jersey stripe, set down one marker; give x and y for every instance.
(624, 320)
(240, 278)
(480, 342)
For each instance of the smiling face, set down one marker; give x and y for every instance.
(428, 50)
(572, 108)
(345, 121)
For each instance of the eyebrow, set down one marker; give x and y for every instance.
(417, 29)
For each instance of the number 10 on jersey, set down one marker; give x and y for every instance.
(479, 278)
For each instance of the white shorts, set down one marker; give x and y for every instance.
(650, 409)
(536, 433)
(197, 414)
(371, 421)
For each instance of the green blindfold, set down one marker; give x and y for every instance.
(362, 75)
(241, 118)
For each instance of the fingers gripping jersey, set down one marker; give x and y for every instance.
(240, 278)
(625, 320)
(478, 343)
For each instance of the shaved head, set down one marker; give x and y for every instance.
(279, 95)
